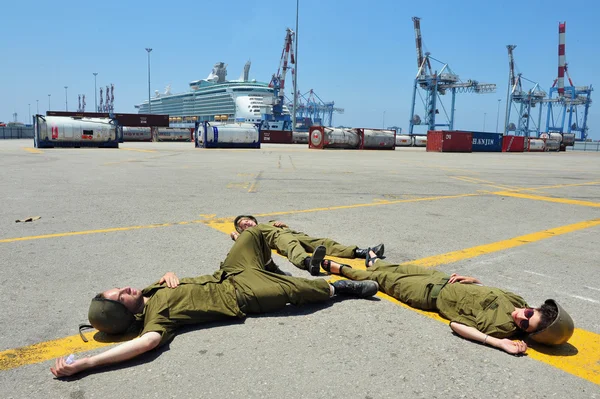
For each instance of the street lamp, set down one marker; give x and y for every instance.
(95, 94)
(383, 122)
(295, 71)
(484, 114)
(498, 114)
(66, 105)
(37, 106)
(149, 105)
(29, 110)
(49, 101)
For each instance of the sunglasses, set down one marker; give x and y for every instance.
(524, 324)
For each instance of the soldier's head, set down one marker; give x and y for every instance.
(549, 324)
(242, 222)
(113, 311)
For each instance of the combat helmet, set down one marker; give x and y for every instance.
(559, 331)
(109, 316)
(240, 217)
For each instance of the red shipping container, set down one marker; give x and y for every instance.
(513, 143)
(449, 141)
(276, 136)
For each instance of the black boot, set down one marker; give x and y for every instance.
(362, 253)
(313, 263)
(360, 289)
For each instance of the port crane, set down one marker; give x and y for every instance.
(313, 107)
(431, 85)
(567, 100)
(278, 82)
(522, 101)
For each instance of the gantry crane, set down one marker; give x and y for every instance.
(567, 99)
(522, 101)
(436, 84)
(311, 106)
(278, 82)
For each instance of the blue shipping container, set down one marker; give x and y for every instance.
(487, 142)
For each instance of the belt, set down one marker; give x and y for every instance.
(435, 290)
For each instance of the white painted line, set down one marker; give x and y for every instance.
(585, 299)
(536, 274)
(591, 288)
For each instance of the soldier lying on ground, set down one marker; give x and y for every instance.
(297, 246)
(484, 314)
(242, 286)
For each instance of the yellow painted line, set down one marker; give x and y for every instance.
(479, 250)
(547, 199)
(153, 226)
(137, 150)
(592, 183)
(33, 150)
(37, 353)
(79, 233)
(469, 179)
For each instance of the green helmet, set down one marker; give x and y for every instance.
(109, 316)
(559, 331)
(240, 217)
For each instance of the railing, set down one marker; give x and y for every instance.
(16, 132)
(585, 146)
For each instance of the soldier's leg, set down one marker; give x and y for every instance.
(250, 250)
(333, 248)
(267, 292)
(400, 282)
(289, 246)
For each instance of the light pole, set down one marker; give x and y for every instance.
(37, 107)
(149, 105)
(66, 105)
(484, 114)
(295, 71)
(29, 110)
(95, 94)
(49, 101)
(383, 122)
(498, 114)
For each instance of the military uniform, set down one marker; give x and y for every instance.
(297, 246)
(241, 286)
(487, 309)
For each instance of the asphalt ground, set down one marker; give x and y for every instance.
(525, 222)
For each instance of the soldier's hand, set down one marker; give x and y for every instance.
(62, 369)
(513, 347)
(234, 235)
(170, 279)
(455, 278)
(277, 223)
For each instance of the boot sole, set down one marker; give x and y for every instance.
(315, 262)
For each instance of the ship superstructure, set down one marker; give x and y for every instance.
(216, 99)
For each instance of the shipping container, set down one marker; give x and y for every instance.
(377, 139)
(64, 131)
(513, 143)
(300, 137)
(232, 135)
(137, 133)
(326, 137)
(449, 141)
(486, 142)
(552, 145)
(403, 140)
(536, 145)
(276, 136)
(419, 141)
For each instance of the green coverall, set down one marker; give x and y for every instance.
(241, 286)
(487, 309)
(297, 246)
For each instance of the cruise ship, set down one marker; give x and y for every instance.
(217, 99)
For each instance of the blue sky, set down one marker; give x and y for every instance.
(359, 54)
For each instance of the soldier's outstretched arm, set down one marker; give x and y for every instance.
(117, 354)
(473, 334)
